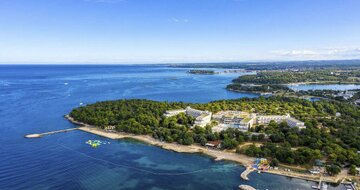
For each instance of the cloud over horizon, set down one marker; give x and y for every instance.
(328, 53)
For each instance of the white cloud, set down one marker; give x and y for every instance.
(178, 20)
(324, 53)
(344, 51)
(295, 52)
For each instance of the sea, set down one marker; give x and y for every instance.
(35, 98)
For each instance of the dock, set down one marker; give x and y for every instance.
(38, 135)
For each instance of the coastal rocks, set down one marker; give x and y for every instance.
(246, 187)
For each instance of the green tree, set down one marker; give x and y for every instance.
(333, 169)
(352, 170)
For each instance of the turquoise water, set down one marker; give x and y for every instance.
(34, 99)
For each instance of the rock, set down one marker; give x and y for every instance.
(246, 187)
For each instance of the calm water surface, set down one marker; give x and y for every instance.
(325, 87)
(34, 99)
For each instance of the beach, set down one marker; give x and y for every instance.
(216, 154)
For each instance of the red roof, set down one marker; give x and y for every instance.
(215, 143)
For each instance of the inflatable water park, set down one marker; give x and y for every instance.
(261, 164)
(96, 143)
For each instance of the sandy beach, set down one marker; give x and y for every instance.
(216, 154)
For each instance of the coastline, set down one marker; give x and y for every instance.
(321, 83)
(217, 155)
(250, 92)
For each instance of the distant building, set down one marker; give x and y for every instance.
(314, 171)
(171, 113)
(244, 121)
(265, 119)
(202, 118)
(234, 119)
(292, 122)
(213, 144)
(245, 124)
(347, 94)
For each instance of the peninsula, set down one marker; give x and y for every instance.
(202, 72)
(327, 143)
(279, 80)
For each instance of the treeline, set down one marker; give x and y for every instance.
(290, 65)
(277, 81)
(335, 138)
(257, 88)
(286, 77)
(202, 72)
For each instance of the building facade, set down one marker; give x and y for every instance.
(171, 113)
(202, 118)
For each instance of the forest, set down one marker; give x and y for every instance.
(286, 77)
(277, 81)
(258, 88)
(202, 72)
(279, 65)
(332, 128)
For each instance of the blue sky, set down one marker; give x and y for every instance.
(152, 31)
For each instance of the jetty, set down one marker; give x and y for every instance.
(244, 174)
(38, 135)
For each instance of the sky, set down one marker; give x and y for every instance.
(166, 31)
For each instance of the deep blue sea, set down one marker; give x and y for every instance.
(34, 99)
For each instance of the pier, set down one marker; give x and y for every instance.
(38, 135)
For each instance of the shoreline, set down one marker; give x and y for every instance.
(321, 83)
(249, 92)
(217, 155)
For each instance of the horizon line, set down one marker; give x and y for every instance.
(162, 63)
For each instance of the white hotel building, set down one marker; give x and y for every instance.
(202, 118)
(292, 122)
